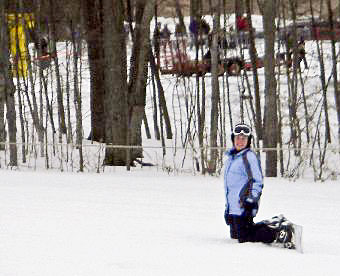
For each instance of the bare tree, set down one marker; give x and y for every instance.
(76, 41)
(293, 80)
(2, 112)
(215, 93)
(180, 16)
(61, 112)
(253, 57)
(334, 60)
(6, 71)
(93, 14)
(196, 7)
(239, 8)
(270, 137)
(115, 82)
(322, 78)
(138, 74)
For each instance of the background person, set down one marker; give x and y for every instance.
(302, 54)
(242, 27)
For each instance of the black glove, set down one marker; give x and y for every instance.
(228, 218)
(250, 206)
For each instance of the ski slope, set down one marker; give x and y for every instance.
(146, 222)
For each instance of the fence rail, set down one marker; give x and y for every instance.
(319, 163)
(96, 145)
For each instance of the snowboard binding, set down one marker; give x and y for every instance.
(288, 234)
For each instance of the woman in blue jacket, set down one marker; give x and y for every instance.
(243, 184)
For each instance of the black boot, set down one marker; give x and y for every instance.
(285, 235)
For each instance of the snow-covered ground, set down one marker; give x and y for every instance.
(150, 223)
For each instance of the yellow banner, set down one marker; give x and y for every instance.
(17, 24)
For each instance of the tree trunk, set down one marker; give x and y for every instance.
(215, 94)
(180, 16)
(323, 82)
(5, 70)
(239, 8)
(115, 104)
(162, 102)
(271, 120)
(2, 112)
(293, 82)
(77, 98)
(253, 58)
(61, 112)
(335, 71)
(161, 97)
(195, 9)
(32, 99)
(94, 26)
(138, 74)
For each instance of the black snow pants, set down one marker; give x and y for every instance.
(244, 229)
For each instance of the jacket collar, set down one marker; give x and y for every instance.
(233, 152)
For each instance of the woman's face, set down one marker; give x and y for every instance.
(240, 142)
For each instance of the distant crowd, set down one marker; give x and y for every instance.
(200, 34)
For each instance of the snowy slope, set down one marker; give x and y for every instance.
(150, 223)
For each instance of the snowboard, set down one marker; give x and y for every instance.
(297, 236)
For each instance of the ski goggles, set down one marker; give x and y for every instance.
(242, 129)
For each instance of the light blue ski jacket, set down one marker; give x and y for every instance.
(236, 178)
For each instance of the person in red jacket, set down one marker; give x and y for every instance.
(242, 26)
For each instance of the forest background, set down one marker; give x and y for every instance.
(119, 81)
